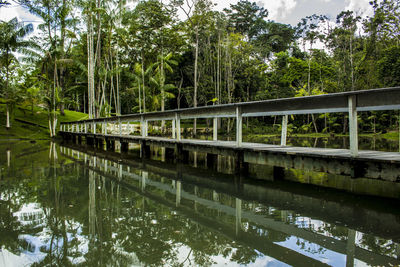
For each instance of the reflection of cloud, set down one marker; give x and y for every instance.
(12, 11)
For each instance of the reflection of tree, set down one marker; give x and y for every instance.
(378, 245)
(9, 225)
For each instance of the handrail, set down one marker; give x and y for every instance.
(367, 100)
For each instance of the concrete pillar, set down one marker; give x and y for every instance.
(278, 172)
(120, 126)
(215, 129)
(173, 129)
(124, 147)
(86, 128)
(178, 127)
(284, 130)
(239, 126)
(144, 149)
(353, 125)
(110, 145)
(212, 160)
(241, 167)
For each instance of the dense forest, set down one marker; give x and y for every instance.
(103, 58)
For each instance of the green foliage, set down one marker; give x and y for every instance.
(146, 58)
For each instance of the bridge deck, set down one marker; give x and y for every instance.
(368, 164)
(391, 157)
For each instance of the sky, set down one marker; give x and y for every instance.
(283, 11)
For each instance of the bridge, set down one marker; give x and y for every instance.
(352, 162)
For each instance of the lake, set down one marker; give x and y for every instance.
(62, 204)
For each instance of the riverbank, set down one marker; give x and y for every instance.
(28, 125)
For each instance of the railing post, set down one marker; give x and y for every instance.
(178, 126)
(120, 126)
(239, 125)
(215, 129)
(130, 128)
(143, 126)
(284, 130)
(173, 128)
(353, 125)
(86, 127)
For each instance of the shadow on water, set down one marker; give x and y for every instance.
(63, 205)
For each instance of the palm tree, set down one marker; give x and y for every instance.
(12, 35)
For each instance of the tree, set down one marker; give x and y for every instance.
(12, 34)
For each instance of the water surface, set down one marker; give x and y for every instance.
(69, 205)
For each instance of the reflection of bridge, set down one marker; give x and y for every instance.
(273, 196)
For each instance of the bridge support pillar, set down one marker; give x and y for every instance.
(169, 154)
(100, 143)
(79, 139)
(212, 160)
(144, 149)
(110, 144)
(241, 167)
(182, 156)
(124, 147)
(278, 173)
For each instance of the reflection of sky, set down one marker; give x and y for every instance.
(314, 251)
(220, 260)
(37, 245)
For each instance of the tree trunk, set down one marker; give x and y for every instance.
(8, 118)
(196, 58)
(143, 87)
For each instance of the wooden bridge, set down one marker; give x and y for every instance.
(352, 162)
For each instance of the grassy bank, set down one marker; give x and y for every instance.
(31, 125)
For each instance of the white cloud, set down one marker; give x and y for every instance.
(278, 9)
(360, 7)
